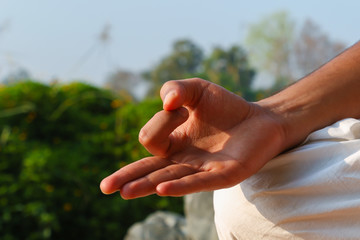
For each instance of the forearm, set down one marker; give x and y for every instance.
(329, 94)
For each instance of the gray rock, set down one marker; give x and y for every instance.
(198, 224)
(159, 226)
(199, 213)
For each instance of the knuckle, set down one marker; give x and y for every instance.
(197, 79)
(169, 84)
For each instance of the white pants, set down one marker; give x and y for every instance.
(310, 192)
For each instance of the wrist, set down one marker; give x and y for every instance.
(329, 94)
(295, 116)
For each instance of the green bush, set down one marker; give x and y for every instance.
(56, 144)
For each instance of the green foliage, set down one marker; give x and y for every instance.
(184, 61)
(56, 144)
(228, 68)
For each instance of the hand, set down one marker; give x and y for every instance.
(206, 138)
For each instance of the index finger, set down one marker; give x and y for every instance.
(155, 135)
(185, 92)
(132, 172)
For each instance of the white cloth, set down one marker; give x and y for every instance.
(310, 192)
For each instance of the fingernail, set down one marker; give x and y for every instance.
(169, 96)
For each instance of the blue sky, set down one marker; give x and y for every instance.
(49, 38)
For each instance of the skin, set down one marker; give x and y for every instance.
(208, 138)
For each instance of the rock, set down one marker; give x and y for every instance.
(199, 213)
(198, 224)
(159, 226)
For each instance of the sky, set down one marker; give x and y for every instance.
(60, 39)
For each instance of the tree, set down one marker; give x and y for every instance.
(313, 48)
(18, 75)
(230, 69)
(127, 84)
(270, 44)
(276, 47)
(184, 61)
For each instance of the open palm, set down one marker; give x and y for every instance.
(206, 138)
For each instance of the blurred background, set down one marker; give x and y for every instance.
(80, 78)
